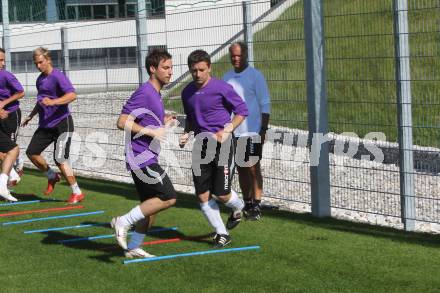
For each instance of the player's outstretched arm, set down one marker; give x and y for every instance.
(31, 115)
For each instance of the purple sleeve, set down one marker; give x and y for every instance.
(234, 101)
(133, 103)
(14, 84)
(65, 84)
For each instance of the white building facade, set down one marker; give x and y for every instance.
(103, 44)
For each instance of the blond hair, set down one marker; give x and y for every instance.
(40, 51)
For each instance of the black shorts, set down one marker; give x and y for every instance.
(9, 131)
(215, 176)
(60, 134)
(152, 181)
(251, 149)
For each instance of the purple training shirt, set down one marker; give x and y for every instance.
(209, 108)
(9, 86)
(53, 86)
(146, 105)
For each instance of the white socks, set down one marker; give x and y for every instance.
(136, 240)
(4, 179)
(211, 212)
(13, 175)
(132, 217)
(75, 188)
(19, 163)
(50, 174)
(235, 203)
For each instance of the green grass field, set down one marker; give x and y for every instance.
(360, 68)
(298, 253)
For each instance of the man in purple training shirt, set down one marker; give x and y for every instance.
(208, 104)
(10, 117)
(55, 92)
(144, 120)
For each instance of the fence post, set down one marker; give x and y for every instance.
(141, 39)
(248, 33)
(403, 89)
(6, 34)
(317, 106)
(107, 64)
(26, 75)
(65, 50)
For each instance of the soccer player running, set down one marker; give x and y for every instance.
(251, 85)
(10, 116)
(208, 103)
(55, 92)
(143, 118)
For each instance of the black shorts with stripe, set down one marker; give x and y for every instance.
(60, 135)
(9, 131)
(152, 181)
(215, 176)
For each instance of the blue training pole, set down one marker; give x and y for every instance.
(52, 218)
(24, 202)
(190, 254)
(110, 235)
(64, 228)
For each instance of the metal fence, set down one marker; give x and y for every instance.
(376, 91)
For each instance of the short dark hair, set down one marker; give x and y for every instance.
(2, 50)
(198, 56)
(154, 58)
(244, 49)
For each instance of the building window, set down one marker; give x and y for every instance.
(275, 2)
(154, 8)
(84, 12)
(131, 10)
(157, 8)
(112, 11)
(83, 59)
(154, 47)
(35, 10)
(99, 58)
(71, 13)
(99, 12)
(23, 61)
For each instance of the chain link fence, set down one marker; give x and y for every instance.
(365, 168)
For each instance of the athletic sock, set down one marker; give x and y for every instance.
(13, 175)
(136, 240)
(19, 163)
(75, 188)
(235, 203)
(211, 212)
(4, 179)
(50, 174)
(132, 217)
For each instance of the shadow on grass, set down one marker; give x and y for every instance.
(111, 250)
(188, 201)
(98, 185)
(31, 196)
